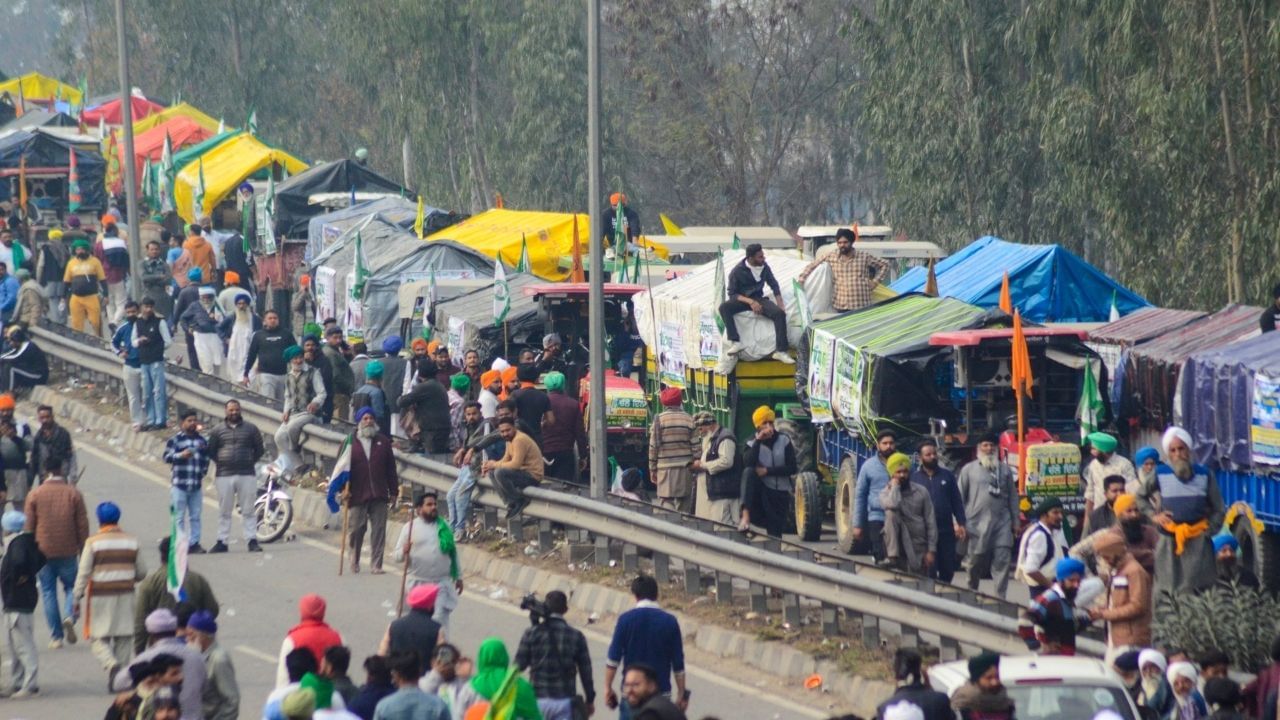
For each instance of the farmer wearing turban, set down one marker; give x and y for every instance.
(1225, 550)
(1051, 620)
(490, 390)
(565, 432)
(372, 485)
(1042, 545)
(770, 461)
(983, 696)
(371, 395)
(630, 227)
(110, 568)
(910, 526)
(672, 451)
(86, 283)
(1188, 507)
(304, 395)
(1105, 463)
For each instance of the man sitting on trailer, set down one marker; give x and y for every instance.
(746, 284)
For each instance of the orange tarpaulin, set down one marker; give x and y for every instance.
(111, 112)
(182, 132)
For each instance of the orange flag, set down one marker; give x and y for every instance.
(497, 201)
(931, 284)
(1021, 359)
(1006, 303)
(22, 184)
(577, 274)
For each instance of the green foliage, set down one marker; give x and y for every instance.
(1240, 621)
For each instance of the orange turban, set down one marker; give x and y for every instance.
(489, 377)
(1123, 502)
(509, 375)
(107, 220)
(616, 198)
(419, 343)
(431, 347)
(231, 277)
(6, 401)
(305, 280)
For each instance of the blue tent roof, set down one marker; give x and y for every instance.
(1048, 283)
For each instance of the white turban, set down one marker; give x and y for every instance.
(1181, 669)
(1175, 432)
(1152, 657)
(903, 710)
(499, 364)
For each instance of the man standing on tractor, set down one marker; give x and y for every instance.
(991, 505)
(873, 476)
(854, 275)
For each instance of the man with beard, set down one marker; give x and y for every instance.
(991, 505)
(235, 446)
(201, 321)
(910, 527)
(156, 276)
(671, 452)
(551, 359)
(873, 476)
(51, 263)
(854, 274)
(432, 557)
(344, 380)
(983, 697)
(1050, 621)
(238, 330)
(151, 337)
(1128, 610)
(85, 282)
(467, 460)
(15, 439)
(471, 368)
(490, 389)
(567, 431)
(189, 295)
(1225, 547)
(1105, 463)
(533, 407)
(908, 669)
(770, 463)
(51, 448)
(1104, 515)
(303, 397)
(425, 416)
(443, 369)
(1140, 537)
(948, 508)
(1042, 545)
(1146, 460)
(1188, 505)
(316, 359)
(122, 344)
(266, 348)
(746, 285)
(372, 486)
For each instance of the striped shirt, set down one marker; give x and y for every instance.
(671, 443)
(115, 562)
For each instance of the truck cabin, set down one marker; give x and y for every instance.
(563, 309)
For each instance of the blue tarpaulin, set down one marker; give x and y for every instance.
(1048, 283)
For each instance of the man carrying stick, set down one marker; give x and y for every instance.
(427, 548)
(373, 484)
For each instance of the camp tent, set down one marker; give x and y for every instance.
(38, 118)
(112, 111)
(35, 86)
(1227, 400)
(188, 155)
(498, 233)
(225, 167)
(48, 157)
(1113, 340)
(182, 132)
(293, 211)
(324, 230)
(393, 257)
(471, 316)
(1048, 283)
(180, 110)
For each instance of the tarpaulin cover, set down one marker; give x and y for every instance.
(187, 155)
(37, 118)
(180, 110)
(324, 230)
(1151, 369)
(111, 112)
(498, 233)
(225, 167)
(1216, 398)
(393, 255)
(524, 326)
(1111, 341)
(1048, 283)
(42, 149)
(40, 87)
(182, 131)
(292, 210)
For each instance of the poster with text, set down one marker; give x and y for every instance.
(671, 357)
(1264, 429)
(820, 366)
(326, 293)
(849, 364)
(457, 331)
(708, 340)
(353, 314)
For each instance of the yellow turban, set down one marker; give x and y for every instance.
(763, 414)
(896, 462)
(1123, 502)
(55, 234)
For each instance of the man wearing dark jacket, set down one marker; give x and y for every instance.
(235, 446)
(429, 403)
(22, 560)
(315, 357)
(640, 684)
(770, 465)
(344, 381)
(948, 508)
(565, 431)
(373, 484)
(266, 348)
(746, 285)
(187, 297)
(907, 670)
(51, 442)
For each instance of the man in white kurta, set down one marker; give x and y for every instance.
(243, 325)
(433, 557)
(110, 568)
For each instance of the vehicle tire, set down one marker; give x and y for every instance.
(801, 438)
(846, 484)
(274, 518)
(1259, 552)
(808, 494)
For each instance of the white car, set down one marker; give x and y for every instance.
(1051, 687)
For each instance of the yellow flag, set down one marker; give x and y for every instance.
(669, 225)
(417, 223)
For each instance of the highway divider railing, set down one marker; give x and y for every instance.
(903, 607)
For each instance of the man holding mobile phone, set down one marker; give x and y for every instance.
(650, 636)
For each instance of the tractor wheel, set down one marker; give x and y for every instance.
(1259, 552)
(801, 438)
(846, 484)
(808, 494)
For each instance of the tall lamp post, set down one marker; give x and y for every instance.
(130, 172)
(596, 431)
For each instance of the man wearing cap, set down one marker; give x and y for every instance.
(566, 431)
(112, 251)
(31, 304)
(221, 698)
(110, 568)
(433, 556)
(22, 562)
(720, 465)
(1128, 609)
(344, 380)
(983, 697)
(370, 395)
(162, 639)
(266, 351)
(1105, 463)
(303, 398)
(311, 633)
(991, 506)
(1041, 546)
(854, 274)
(416, 631)
(1230, 573)
(671, 451)
(372, 485)
(122, 343)
(746, 285)
(149, 336)
(873, 476)
(1051, 620)
(15, 441)
(85, 282)
(51, 263)
(770, 462)
(235, 446)
(910, 526)
(1188, 507)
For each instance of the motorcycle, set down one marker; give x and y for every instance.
(274, 506)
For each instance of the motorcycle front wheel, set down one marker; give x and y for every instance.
(274, 517)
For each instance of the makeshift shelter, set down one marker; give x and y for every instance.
(225, 167)
(324, 230)
(471, 315)
(48, 160)
(180, 110)
(1230, 403)
(293, 209)
(188, 155)
(1047, 283)
(393, 257)
(111, 112)
(181, 131)
(36, 87)
(1113, 340)
(38, 118)
(499, 233)
(1151, 369)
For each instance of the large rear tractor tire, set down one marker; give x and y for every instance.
(809, 511)
(846, 484)
(1259, 551)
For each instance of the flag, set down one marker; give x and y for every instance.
(222, 126)
(419, 220)
(619, 231)
(1115, 311)
(340, 475)
(269, 214)
(164, 183)
(524, 266)
(21, 108)
(577, 274)
(1090, 409)
(497, 201)
(931, 283)
(176, 569)
(1022, 379)
(22, 182)
(622, 268)
(198, 196)
(1006, 303)
(501, 293)
(737, 244)
(102, 127)
(669, 226)
(362, 269)
(74, 198)
(19, 256)
(802, 303)
(502, 705)
(252, 124)
(719, 289)
(147, 196)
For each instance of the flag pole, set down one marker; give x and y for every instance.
(404, 574)
(506, 341)
(342, 547)
(1022, 450)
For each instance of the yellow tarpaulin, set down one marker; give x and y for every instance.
(180, 110)
(40, 87)
(497, 233)
(225, 167)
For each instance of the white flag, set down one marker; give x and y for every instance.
(501, 293)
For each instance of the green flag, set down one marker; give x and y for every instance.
(1115, 311)
(737, 244)
(719, 289)
(802, 303)
(501, 293)
(1089, 411)
(252, 124)
(362, 269)
(524, 266)
(176, 568)
(197, 199)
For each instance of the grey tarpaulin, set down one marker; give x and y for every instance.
(1216, 394)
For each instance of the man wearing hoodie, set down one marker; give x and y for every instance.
(22, 561)
(984, 696)
(311, 633)
(200, 251)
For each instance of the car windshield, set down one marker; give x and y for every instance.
(1068, 702)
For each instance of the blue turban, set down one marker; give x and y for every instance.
(245, 187)
(108, 513)
(195, 274)
(373, 369)
(13, 521)
(1145, 454)
(392, 345)
(366, 410)
(292, 352)
(1067, 567)
(1220, 541)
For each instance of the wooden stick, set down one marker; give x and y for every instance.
(404, 574)
(342, 548)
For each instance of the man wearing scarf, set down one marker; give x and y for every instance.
(672, 452)
(1155, 691)
(1188, 506)
(1050, 621)
(1105, 463)
(110, 568)
(991, 506)
(373, 484)
(201, 320)
(910, 527)
(983, 697)
(303, 398)
(433, 556)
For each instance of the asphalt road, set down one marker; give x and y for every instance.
(259, 594)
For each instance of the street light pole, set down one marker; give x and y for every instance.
(597, 432)
(130, 172)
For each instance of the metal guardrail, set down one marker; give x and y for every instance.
(874, 600)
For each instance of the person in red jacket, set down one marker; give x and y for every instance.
(311, 633)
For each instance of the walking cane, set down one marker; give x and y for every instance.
(404, 574)
(342, 549)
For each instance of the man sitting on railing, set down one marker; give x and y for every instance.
(303, 398)
(24, 364)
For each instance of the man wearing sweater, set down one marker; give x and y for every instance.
(650, 636)
(57, 517)
(519, 468)
(18, 571)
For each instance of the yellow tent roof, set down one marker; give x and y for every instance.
(225, 167)
(497, 233)
(180, 110)
(40, 87)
